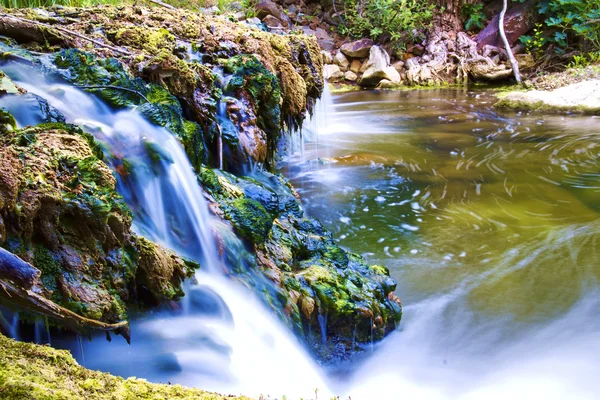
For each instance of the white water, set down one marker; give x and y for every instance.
(239, 347)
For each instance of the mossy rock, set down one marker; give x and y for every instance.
(250, 218)
(29, 371)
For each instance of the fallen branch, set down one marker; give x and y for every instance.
(35, 302)
(511, 57)
(67, 32)
(163, 4)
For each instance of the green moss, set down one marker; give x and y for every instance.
(7, 121)
(250, 75)
(149, 40)
(29, 371)
(250, 218)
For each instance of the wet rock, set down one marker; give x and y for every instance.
(357, 49)
(387, 84)
(350, 76)
(332, 73)
(341, 60)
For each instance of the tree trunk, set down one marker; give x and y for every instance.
(511, 57)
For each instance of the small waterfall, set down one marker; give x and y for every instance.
(242, 348)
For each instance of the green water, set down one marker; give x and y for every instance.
(451, 195)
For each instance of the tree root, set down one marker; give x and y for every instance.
(29, 30)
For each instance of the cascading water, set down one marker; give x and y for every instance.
(457, 279)
(224, 339)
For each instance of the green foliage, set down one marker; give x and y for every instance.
(375, 18)
(573, 19)
(585, 60)
(534, 43)
(474, 15)
(7, 121)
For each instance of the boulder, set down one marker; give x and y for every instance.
(519, 20)
(350, 76)
(268, 7)
(357, 49)
(325, 40)
(377, 67)
(342, 61)
(364, 66)
(393, 75)
(332, 73)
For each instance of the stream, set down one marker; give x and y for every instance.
(489, 222)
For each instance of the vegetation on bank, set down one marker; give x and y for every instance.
(30, 371)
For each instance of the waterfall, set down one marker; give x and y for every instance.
(242, 348)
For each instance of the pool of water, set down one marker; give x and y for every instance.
(488, 220)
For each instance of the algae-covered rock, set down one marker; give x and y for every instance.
(29, 371)
(61, 213)
(315, 279)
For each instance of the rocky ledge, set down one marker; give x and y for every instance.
(582, 97)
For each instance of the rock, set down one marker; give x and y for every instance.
(387, 84)
(364, 66)
(377, 66)
(582, 97)
(240, 15)
(481, 70)
(292, 9)
(325, 40)
(416, 49)
(272, 22)
(519, 20)
(332, 73)
(393, 75)
(268, 7)
(327, 57)
(355, 66)
(341, 60)
(526, 62)
(350, 76)
(357, 49)
(398, 66)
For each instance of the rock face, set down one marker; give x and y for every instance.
(60, 213)
(583, 97)
(357, 49)
(314, 276)
(519, 20)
